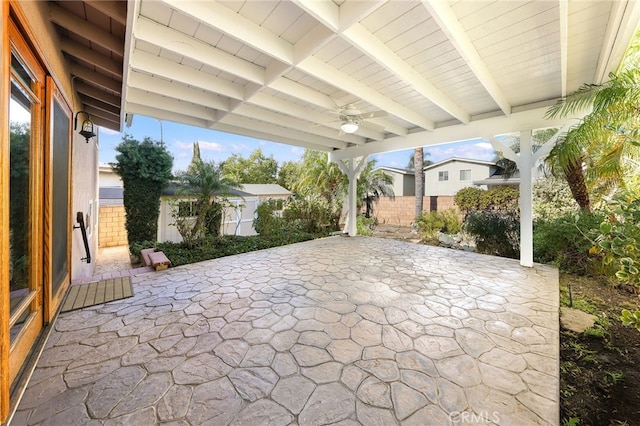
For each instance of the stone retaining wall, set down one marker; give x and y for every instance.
(111, 224)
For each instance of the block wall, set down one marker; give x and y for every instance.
(400, 210)
(112, 230)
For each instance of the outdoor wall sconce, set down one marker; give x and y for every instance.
(86, 130)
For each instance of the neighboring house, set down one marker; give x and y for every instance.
(449, 176)
(404, 181)
(238, 217)
(107, 177)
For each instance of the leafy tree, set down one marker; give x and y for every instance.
(256, 169)
(145, 170)
(203, 181)
(19, 206)
(289, 174)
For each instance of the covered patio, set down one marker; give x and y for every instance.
(333, 331)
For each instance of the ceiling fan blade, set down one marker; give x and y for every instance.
(375, 114)
(373, 126)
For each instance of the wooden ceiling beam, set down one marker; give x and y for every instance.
(85, 29)
(96, 78)
(96, 112)
(109, 124)
(116, 10)
(94, 92)
(91, 56)
(96, 103)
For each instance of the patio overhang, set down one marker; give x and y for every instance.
(441, 71)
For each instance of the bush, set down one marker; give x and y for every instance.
(495, 232)
(266, 222)
(619, 239)
(552, 199)
(364, 225)
(471, 199)
(429, 224)
(145, 170)
(503, 197)
(227, 245)
(310, 216)
(565, 242)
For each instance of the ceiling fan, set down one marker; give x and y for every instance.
(352, 118)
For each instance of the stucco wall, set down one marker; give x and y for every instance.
(435, 187)
(400, 210)
(111, 227)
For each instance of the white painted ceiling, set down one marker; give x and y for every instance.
(442, 70)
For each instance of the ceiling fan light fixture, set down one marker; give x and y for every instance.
(349, 127)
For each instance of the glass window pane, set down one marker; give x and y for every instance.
(19, 208)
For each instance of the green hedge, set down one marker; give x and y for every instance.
(227, 245)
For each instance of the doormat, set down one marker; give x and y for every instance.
(96, 293)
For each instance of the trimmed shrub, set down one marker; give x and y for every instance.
(364, 225)
(496, 232)
(266, 222)
(429, 224)
(228, 245)
(565, 242)
(145, 170)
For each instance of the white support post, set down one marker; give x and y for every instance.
(525, 161)
(526, 165)
(352, 168)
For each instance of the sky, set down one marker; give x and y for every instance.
(218, 146)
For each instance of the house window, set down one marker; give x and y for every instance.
(186, 208)
(443, 176)
(465, 174)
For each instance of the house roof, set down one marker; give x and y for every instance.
(441, 71)
(460, 160)
(265, 189)
(396, 170)
(174, 189)
(498, 179)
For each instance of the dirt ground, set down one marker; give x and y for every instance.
(403, 233)
(600, 368)
(600, 378)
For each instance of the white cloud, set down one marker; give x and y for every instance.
(485, 145)
(240, 147)
(204, 146)
(296, 150)
(211, 146)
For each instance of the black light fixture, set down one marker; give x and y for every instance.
(86, 129)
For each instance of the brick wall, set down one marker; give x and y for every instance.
(400, 211)
(111, 224)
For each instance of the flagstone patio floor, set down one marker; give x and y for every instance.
(333, 331)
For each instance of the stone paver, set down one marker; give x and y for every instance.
(334, 331)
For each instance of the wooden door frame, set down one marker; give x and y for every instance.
(52, 301)
(5, 313)
(19, 351)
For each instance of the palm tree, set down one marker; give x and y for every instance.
(322, 178)
(203, 181)
(373, 184)
(593, 155)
